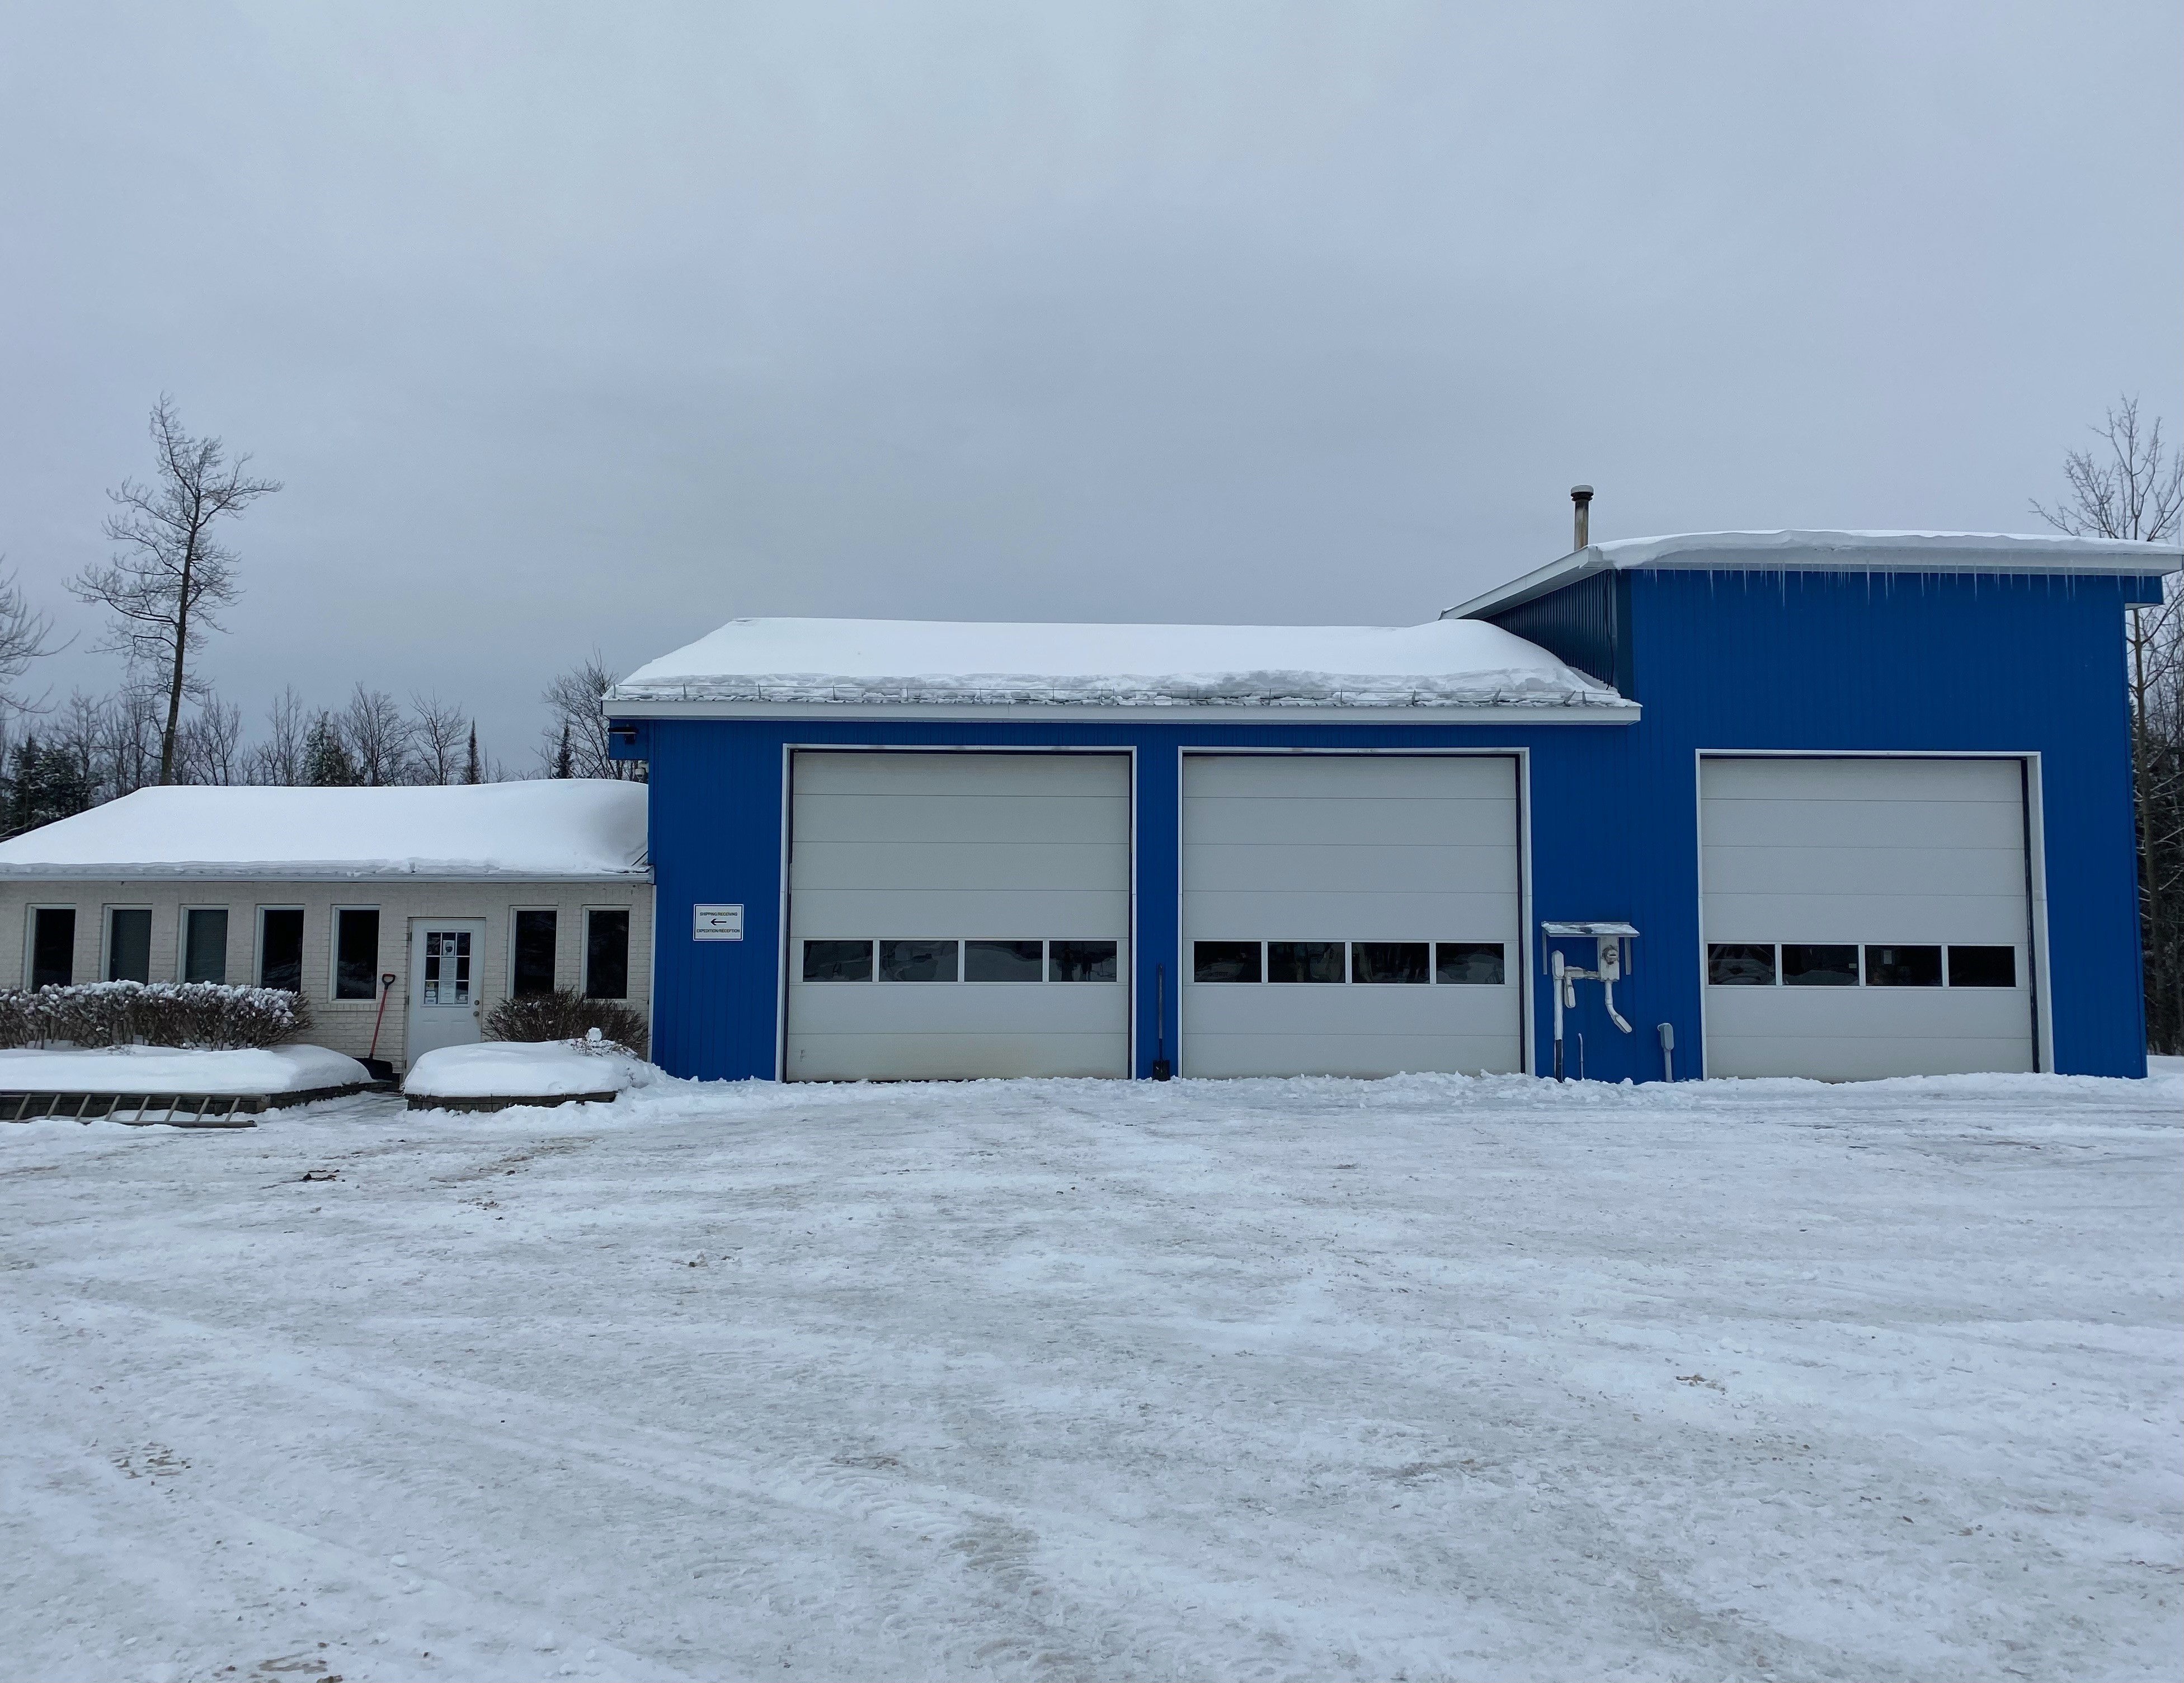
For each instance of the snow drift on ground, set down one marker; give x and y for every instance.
(499, 1069)
(174, 1069)
(1427, 1377)
(570, 827)
(1445, 663)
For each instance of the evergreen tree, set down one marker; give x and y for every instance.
(43, 784)
(326, 762)
(565, 761)
(472, 772)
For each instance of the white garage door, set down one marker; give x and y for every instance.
(1865, 917)
(1350, 914)
(958, 914)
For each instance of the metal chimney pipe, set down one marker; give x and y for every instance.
(1582, 496)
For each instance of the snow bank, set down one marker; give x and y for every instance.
(170, 1069)
(515, 1069)
(1447, 663)
(553, 828)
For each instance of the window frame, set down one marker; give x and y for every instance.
(183, 915)
(554, 969)
(31, 940)
(106, 939)
(584, 954)
(258, 943)
(334, 995)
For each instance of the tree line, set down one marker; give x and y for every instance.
(160, 591)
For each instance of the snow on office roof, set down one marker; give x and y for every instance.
(1838, 552)
(791, 661)
(573, 828)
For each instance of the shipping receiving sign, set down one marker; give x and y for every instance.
(717, 922)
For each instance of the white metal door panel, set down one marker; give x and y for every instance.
(1895, 852)
(1366, 848)
(447, 958)
(948, 847)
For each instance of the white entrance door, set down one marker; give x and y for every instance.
(958, 914)
(1865, 917)
(1350, 914)
(446, 963)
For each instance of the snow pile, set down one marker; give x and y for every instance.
(527, 1069)
(1445, 663)
(174, 1069)
(1894, 552)
(551, 828)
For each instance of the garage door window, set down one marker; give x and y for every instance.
(1469, 964)
(1224, 961)
(1731, 964)
(1404, 961)
(1808, 966)
(1004, 960)
(837, 960)
(1982, 967)
(1080, 961)
(1304, 961)
(1904, 967)
(917, 960)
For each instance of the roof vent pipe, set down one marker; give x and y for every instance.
(1581, 497)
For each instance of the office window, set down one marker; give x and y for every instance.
(606, 955)
(1225, 961)
(129, 944)
(917, 960)
(205, 944)
(356, 954)
(531, 968)
(1808, 966)
(1304, 961)
(1080, 961)
(1003, 961)
(52, 946)
(1982, 967)
(1390, 961)
(1740, 964)
(1468, 963)
(837, 960)
(1904, 967)
(281, 949)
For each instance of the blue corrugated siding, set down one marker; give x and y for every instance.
(1822, 662)
(1584, 624)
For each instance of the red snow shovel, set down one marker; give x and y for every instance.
(378, 1067)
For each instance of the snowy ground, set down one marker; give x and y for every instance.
(1421, 1378)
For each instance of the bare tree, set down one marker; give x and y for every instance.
(210, 748)
(170, 575)
(280, 758)
(2135, 491)
(380, 740)
(437, 728)
(574, 744)
(24, 637)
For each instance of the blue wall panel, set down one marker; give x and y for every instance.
(1722, 661)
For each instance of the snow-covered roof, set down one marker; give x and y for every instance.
(1987, 552)
(576, 827)
(755, 665)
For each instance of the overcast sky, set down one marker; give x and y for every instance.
(596, 325)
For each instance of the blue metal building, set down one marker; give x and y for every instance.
(1865, 800)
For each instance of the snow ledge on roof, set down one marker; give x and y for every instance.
(943, 663)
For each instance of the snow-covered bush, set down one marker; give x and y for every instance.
(197, 1014)
(564, 1016)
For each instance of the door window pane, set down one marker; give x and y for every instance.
(1225, 961)
(129, 946)
(1390, 961)
(446, 966)
(53, 947)
(1904, 967)
(917, 960)
(531, 970)
(280, 950)
(1740, 964)
(1472, 963)
(1080, 961)
(1807, 965)
(837, 960)
(606, 955)
(1982, 967)
(1304, 961)
(205, 944)
(356, 954)
(1003, 961)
